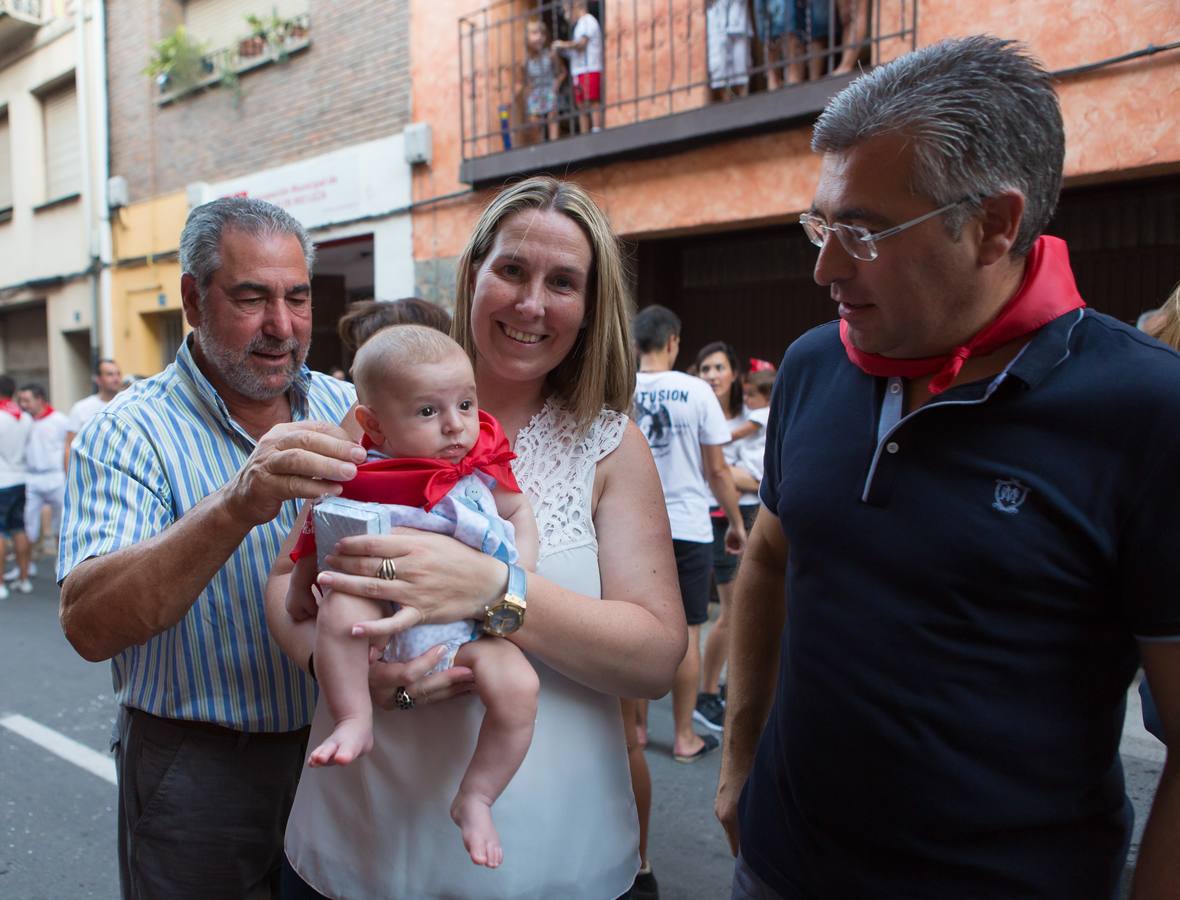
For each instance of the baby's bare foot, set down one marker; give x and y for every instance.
(473, 815)
(352, 739)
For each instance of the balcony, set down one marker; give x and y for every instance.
(19, 20)
(658, 93)
(193, 69)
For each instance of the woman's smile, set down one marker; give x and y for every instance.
(523, 337)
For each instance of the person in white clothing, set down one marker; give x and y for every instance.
(15, 425)
(108, 379)
(717, 364)
(585, 52)
(727, 42)
(45, 459)
(540, 307)
(685, 427)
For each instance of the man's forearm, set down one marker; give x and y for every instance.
(115, 601)
(1157, 873)
(721, 483)
(755, 630)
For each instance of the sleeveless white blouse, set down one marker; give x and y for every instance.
(381, 828)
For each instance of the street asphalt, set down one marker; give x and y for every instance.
(57, 819)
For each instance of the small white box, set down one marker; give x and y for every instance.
(337, 518)
(418, 141)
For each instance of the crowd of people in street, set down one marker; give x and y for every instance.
(933, 530)
(35, 443)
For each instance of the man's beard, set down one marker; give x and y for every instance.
(235, 367)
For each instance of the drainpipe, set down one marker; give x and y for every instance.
(103, 153)
(81, 83)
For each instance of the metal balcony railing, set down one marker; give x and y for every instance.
(656, 59)
(224, 66)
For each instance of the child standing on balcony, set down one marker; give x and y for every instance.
(585, 50)
(542, 75)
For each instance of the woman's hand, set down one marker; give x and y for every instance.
(439, 579)
(386, 677)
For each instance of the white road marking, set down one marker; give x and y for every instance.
(80, 755)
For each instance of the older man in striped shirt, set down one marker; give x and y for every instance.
(180, 494)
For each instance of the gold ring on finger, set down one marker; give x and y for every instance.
(387, 570)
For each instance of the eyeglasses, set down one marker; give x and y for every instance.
(856, 239)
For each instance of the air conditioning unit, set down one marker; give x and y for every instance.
(118, 194)
(418, 143)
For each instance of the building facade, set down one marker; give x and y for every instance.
(51, 185)
(301, 102)
(707, 185)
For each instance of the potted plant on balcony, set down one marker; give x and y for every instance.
(254, 44)
(296, 28)
(178, 61)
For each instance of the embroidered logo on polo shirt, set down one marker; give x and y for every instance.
(1009, 496)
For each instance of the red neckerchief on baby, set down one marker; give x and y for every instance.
(1047, 292)
(419, 481)
(46, 411)
(8, 406)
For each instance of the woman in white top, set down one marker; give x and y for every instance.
(541, 310)
(717, 363)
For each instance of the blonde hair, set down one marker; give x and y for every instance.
(599, 370)
(1165, 325)
(389, 352)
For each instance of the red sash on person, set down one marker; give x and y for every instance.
(46, 411)
(418, 481)
(11, 408)
(1047, 292)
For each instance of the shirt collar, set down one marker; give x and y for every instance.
(1047, 350)
(207, 394)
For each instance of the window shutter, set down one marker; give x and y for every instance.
(63, 158)
(222, 23)
(5, 164)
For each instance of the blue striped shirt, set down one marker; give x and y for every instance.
(154, 452)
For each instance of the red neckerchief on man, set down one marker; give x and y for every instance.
(1047, 292)
(46, 411)
(422, 482)
(7, 405)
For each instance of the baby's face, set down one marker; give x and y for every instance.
(535, 36)
(430, 410)
(754, 398)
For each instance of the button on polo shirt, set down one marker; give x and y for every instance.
(961, 617)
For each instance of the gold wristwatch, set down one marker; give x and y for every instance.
(506, 615)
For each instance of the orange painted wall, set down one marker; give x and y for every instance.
(1120, 121)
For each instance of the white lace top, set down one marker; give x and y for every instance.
(555, 467)
(380, 827)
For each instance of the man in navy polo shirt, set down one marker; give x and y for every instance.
(968, 480)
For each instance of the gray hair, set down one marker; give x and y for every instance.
(200, 242)
(982, 116)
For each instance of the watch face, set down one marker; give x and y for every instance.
(503, 620)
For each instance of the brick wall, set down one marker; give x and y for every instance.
(351, 85)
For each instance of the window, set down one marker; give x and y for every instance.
(222, 23)
(63, 156)
(5, 165)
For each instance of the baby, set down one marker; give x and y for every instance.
(416, 398)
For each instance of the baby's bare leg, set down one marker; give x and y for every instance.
(342, 667)
(508, 687)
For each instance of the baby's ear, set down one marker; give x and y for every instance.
(369, 422)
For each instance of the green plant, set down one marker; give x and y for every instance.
(259, 27)
(178, 61)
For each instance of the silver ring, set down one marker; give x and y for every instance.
(402, 699)
(387, 570)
